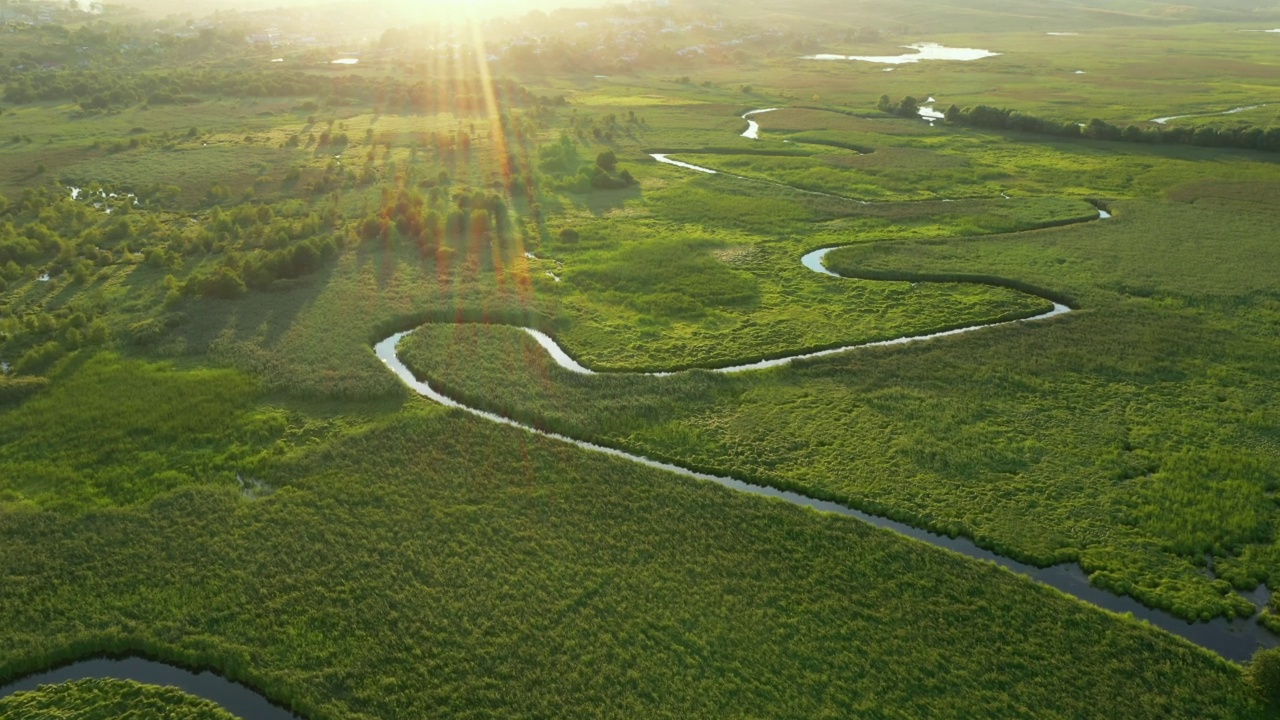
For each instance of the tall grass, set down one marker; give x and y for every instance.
(442, 564)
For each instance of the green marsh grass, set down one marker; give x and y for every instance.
(107, 700)
(442, 564)
(1132, 436)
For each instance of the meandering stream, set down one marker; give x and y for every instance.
(1232, 111)
(753, 127)
(1235, 640)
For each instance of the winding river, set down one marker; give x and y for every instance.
(1232, 111)
(753, 127)
(1235, 640)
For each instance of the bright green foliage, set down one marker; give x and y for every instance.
(108, 700)
(1134, 436)
(1263, 674)
(415, 563)
(114, 431)
(565, 169)
(442, 565)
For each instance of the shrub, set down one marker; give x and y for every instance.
(1263, 674)
(607, 161)
(14, 390)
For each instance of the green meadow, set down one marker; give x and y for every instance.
(203, 462)
(438, 563)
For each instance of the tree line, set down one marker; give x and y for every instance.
(101, 90)
(1244, 137)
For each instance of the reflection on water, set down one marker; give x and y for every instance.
(662, 158)
(923, 51)
(753, 127)
(929, 113)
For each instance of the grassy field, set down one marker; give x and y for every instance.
(441, 564)
(1069, 441)
(202, 460)
(1174, 70)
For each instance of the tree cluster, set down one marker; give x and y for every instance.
(101, 89)
(985, 116)
(462, 222)
(565, 169)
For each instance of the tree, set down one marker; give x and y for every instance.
(1204, 137)
(1101, 130)
(607, 161)
(223, 283)
(909, 107)
(569, 235)
(1263, 674)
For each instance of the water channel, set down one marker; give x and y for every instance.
(1232, 111)
(1235, 640)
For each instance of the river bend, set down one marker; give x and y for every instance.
(1235, 640)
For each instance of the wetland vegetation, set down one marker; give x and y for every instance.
(203, 462)
(107, 699)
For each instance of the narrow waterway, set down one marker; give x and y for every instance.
(235, 698)
(662, 158)
(1235, 640)
(753, 127)
(1232, 111)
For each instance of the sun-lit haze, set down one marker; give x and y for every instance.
(391, 12)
